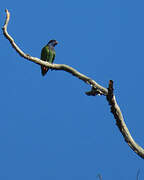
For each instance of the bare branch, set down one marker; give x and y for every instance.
(63, 67)
(115, 110)
(95, 90)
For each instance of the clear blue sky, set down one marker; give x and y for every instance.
(49, 129)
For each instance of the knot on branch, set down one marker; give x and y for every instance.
(93, 92)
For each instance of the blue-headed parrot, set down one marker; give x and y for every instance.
(48, 54)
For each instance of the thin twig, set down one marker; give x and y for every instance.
(99, 176)
(96, 89)
(138, 173)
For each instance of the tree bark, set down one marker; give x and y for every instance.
(96, 89)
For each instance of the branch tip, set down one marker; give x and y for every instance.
(110, 92)
(110, 88)
(7, 12)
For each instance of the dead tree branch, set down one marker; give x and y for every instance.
(115, 110)
(63, 67)
(96, 89)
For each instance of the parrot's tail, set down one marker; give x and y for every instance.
(44, 70)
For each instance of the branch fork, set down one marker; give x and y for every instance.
(96, 89)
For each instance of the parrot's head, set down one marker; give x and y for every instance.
(52, 42)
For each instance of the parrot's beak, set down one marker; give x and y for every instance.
(56, 42)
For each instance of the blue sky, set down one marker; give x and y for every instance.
(49, 129)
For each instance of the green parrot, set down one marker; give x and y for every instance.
(48, 54)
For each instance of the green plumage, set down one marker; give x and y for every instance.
(48, 54)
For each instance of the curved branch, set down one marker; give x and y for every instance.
(115, 110)
(95, 90)
(74, 72)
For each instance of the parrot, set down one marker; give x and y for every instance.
(48, 54)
